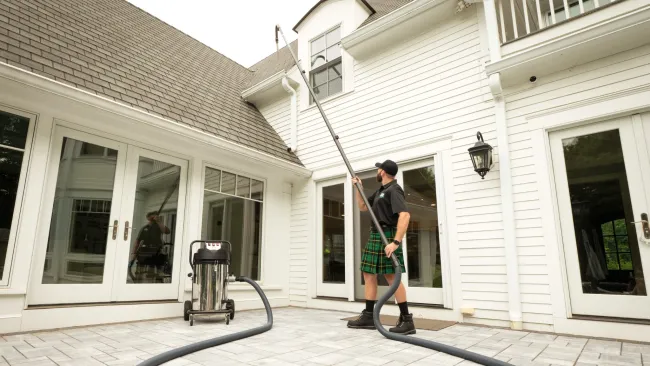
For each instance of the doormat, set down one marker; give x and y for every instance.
(424, 324)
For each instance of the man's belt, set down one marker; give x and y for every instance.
(385, 228)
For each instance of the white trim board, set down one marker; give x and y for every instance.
(367, 162)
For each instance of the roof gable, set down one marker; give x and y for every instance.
(282, 60)
(113, 49)
(319, 3)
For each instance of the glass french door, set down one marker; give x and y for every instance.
(422, 242)
(331, 241)
(602, 172)
(94, 189)
(148, 259)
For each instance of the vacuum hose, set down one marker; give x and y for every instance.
(195, 347)
(454, 351)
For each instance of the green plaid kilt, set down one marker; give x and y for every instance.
(373, 258)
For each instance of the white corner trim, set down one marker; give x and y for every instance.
(51, 86)
(388, 21)
(294, 113)
(507, 203)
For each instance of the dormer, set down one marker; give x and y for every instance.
(328, 67)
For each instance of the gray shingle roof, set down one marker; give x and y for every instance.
(116, 50)
(282, 60)
(383, 7)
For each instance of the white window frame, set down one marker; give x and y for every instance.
(237, 173)
(326, 65)
(18, 205)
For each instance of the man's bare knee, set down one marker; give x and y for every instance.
(370, 277)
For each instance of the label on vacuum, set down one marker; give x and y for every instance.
(213, 246)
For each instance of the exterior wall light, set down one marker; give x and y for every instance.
(481, 154)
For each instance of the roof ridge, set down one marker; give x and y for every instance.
(187, 35)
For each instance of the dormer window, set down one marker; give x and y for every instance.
(326, 75)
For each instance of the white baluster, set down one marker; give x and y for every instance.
(596, 3)
(526, 16)
(566, 9)
(502, 21)
(539, 14)
(552, 6)
(582, 7)
(514, 18)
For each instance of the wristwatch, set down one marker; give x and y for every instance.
(397, 242)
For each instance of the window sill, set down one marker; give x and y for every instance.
(239, 287)
(12, 291)
(326, 100)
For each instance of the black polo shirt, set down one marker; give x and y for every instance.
(387, 202)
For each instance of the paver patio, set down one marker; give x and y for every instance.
(303, 337)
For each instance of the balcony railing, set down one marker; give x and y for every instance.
(519, 18)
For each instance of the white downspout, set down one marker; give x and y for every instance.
(294, 114)
(505, 172)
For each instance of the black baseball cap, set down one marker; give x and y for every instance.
(389, 166)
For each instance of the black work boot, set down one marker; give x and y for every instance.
(364, 321)
(405, 325)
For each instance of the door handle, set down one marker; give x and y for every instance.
(644, 224)
(126, 231)
(114, 226)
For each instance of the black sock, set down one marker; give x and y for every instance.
(403, 308)
(370, 304)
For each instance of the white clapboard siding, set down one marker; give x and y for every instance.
(428, 87)
(278, 114)
(299, 249)
(616, 73)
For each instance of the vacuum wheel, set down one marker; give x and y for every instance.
(230, 305)
(186, 309)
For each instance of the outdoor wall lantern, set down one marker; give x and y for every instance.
(481, 154)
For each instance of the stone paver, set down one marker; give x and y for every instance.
(304, 337)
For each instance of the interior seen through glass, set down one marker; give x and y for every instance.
(232, 211)
(79, 229)
(333, 216)
(13, 137)
(422, 237)
(606, 240)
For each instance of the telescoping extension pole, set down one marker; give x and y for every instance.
(458, 352)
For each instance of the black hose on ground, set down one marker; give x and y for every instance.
(454, 351)
(198, 346)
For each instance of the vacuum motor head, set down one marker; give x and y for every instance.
(214, 252)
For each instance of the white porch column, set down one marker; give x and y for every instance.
(492, 28)
(507, 203)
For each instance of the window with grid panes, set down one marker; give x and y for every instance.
(326, 76)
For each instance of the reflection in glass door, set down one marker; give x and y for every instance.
(153, 204)
(331, 226)
(601, 194)
(84, 202)
(422, 242)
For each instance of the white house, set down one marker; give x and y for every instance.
(108, 113)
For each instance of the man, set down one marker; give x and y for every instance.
(149, 242)
(389, 206)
